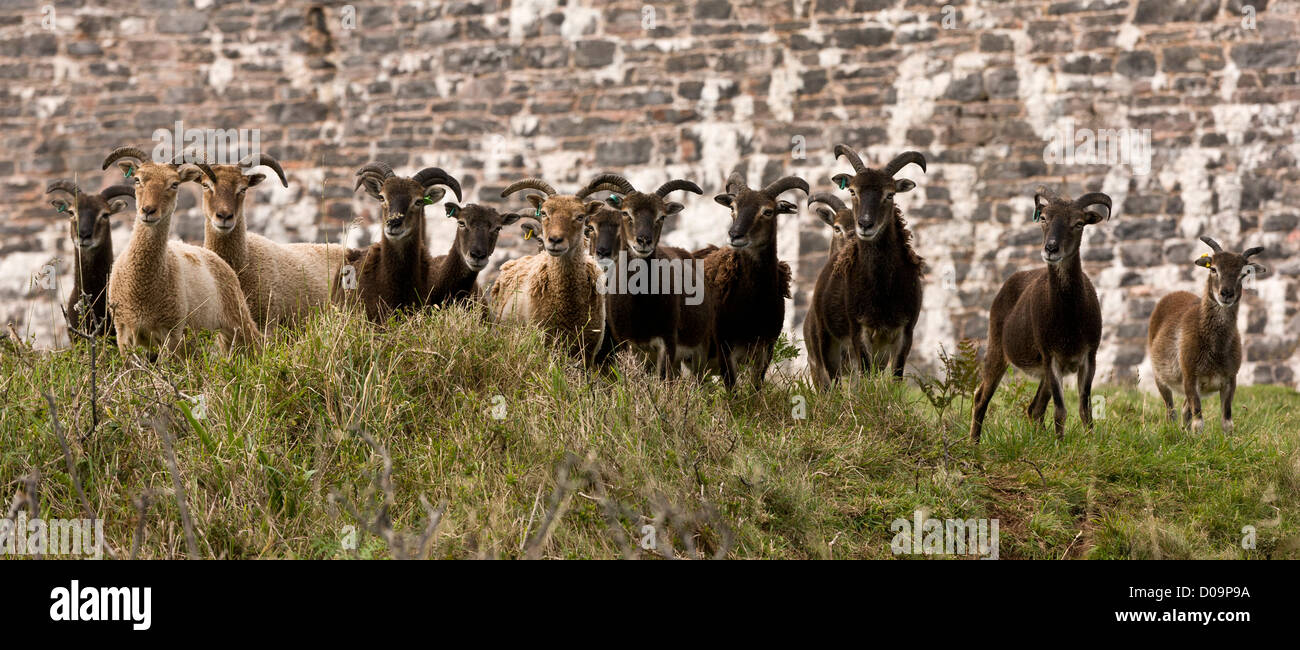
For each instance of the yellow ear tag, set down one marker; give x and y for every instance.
(528, 234)
(1207, 256)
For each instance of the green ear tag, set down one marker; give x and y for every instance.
(844, 183)
(130, 171)
(427, 200)
(537, 212)
(63, 208)
(1038, 214)
(451, 212)
(613, 198)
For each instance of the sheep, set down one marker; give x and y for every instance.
(160, 288)
(92, 242)
(1047, 321)
(836, 215)
(745, 282)
(868, 297)
(454, 276)
(840, 218)
(557, 290)
(1194, 343)
(670, 327)
(397, 272)
(282, 283)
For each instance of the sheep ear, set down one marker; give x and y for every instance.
(673, 207)
(115, 206)
(254, 179)
(537, 200)
(725, 199)
(373, 187)
(592, 207)
(903, 185)
(531, 229)
(1096, 213)
(60, 205)
(842, 180)
(189, 173)
(432, 195)
(127, 167)
(1205, 261)
(826, 215)
(613, 200)
(451, 208)
(509, 218)
(1260, 269)
(786, 207)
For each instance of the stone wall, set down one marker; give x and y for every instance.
(493, 90)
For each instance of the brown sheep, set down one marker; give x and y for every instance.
(1194, 343)
(1047, 322)
(92, 242)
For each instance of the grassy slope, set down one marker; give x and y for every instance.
(609, 454)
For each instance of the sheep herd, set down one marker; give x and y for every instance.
(867, 299)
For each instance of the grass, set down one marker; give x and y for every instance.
(499, 447)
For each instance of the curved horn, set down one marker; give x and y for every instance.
(610, 182)
(1093, 198)
(430, 176)
(114, 191)
(64, 185)
(678, 184)
(776, 187)
(1252, 251)
(735, 182)
(1214, 245)
(529, 184)
(829, 199)
(907, 158)
(125, 152)
(377, 169)
(253, 160)
(844, 150)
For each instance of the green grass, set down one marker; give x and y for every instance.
(579, 463)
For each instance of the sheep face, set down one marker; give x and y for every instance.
(223, 196)
(753, 216)
(1227, 271)
(643, 220)
(89, 214)
(401, 206)
(605, 228)
(156, 186)
(1063, 221)
(564, 221)
(477, 230)
(833, 213)
(873, 199)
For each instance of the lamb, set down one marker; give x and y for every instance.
(836, 215)
(454, 276)
(282, 283)
(1048, 322)
(747, 285)
(92, 240)
(397, 272)
(868, 297)
(1194, 343)
(160, 288)
(671, 326)
(840, 218)
(558, 291)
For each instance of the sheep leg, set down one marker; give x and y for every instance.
(1086, 372)
(1225, 395)
(995, 366)
(1168, 396)
(1058, 398)
(1192, 403)
(1038, 406)
(727, 366)
(760, 357)
(899, 361)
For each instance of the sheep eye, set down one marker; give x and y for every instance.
(1214, 270)
(460, 224)
(175, 185)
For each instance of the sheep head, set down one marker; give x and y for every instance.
(1228, 270)
(834, 213)
(873, 190)
(1063, 221)
(224, 188)
(402, 200)
(641, 214)
(89, 212)
(156, 184)
(753, 212)
(563, 217)
(477, 229)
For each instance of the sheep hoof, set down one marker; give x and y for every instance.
(1198, 425)
(1227, 426)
